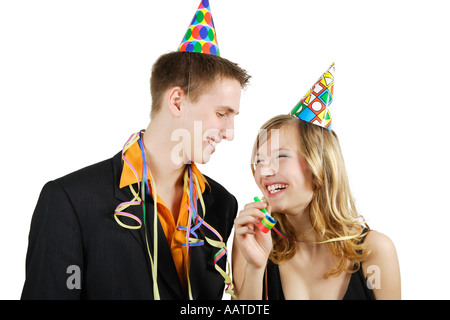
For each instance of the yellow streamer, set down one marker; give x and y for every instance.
(154, 262)
(214, 243)
(342, 238)
(154, 259)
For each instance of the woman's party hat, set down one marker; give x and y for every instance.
(201, 34)
(313, 107)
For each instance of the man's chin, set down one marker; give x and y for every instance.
(204, 159)
(199, 160)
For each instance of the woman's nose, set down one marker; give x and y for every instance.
(268, 168)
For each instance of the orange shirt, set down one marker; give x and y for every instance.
(174, 236)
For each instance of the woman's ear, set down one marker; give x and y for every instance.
(176, 96)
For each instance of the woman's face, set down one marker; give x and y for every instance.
(282, 174)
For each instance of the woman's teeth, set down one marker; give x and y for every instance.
(276, 187)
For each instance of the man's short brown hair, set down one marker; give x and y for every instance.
(192, 72)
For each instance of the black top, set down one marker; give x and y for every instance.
(357, 287)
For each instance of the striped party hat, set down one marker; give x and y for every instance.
(313, 107)
(201, 34)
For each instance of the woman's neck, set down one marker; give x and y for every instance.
(302, 226)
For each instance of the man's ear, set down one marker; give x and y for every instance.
(176, 97)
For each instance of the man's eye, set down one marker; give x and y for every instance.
(220, 115)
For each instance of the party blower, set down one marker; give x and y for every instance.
(267, 223)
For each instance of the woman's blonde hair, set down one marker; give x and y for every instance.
(332, 209)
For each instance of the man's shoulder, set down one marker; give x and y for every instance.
(102, 171)
(219, 196)
(217, 188)
(221, 209)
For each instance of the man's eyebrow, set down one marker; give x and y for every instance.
(230, 110)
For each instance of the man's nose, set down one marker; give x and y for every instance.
(228, 131)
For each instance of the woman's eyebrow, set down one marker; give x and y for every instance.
(278, 149)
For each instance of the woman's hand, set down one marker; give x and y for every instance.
(254, 244)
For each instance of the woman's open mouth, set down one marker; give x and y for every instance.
(276, 188)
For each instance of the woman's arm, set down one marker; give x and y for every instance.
(251, 249)
(247, 279)
(382, 269)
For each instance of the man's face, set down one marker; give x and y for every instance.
(211, 119)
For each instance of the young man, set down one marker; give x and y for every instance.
(97, 233)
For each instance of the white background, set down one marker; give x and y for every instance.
(74, 84)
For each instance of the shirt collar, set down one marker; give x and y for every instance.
(134, 157)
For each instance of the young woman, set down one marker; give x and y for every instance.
(321, 248)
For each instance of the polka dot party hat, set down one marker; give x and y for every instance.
(201, 34)
(313, 107)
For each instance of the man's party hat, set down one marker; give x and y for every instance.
(201, 34)
(313, 107)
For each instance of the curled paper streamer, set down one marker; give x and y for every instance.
(267, 223)
(195, 221)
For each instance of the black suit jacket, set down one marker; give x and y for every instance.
(73, 225)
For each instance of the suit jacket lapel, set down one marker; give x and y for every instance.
(200, 256)
(124, 195)
(167, 274)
